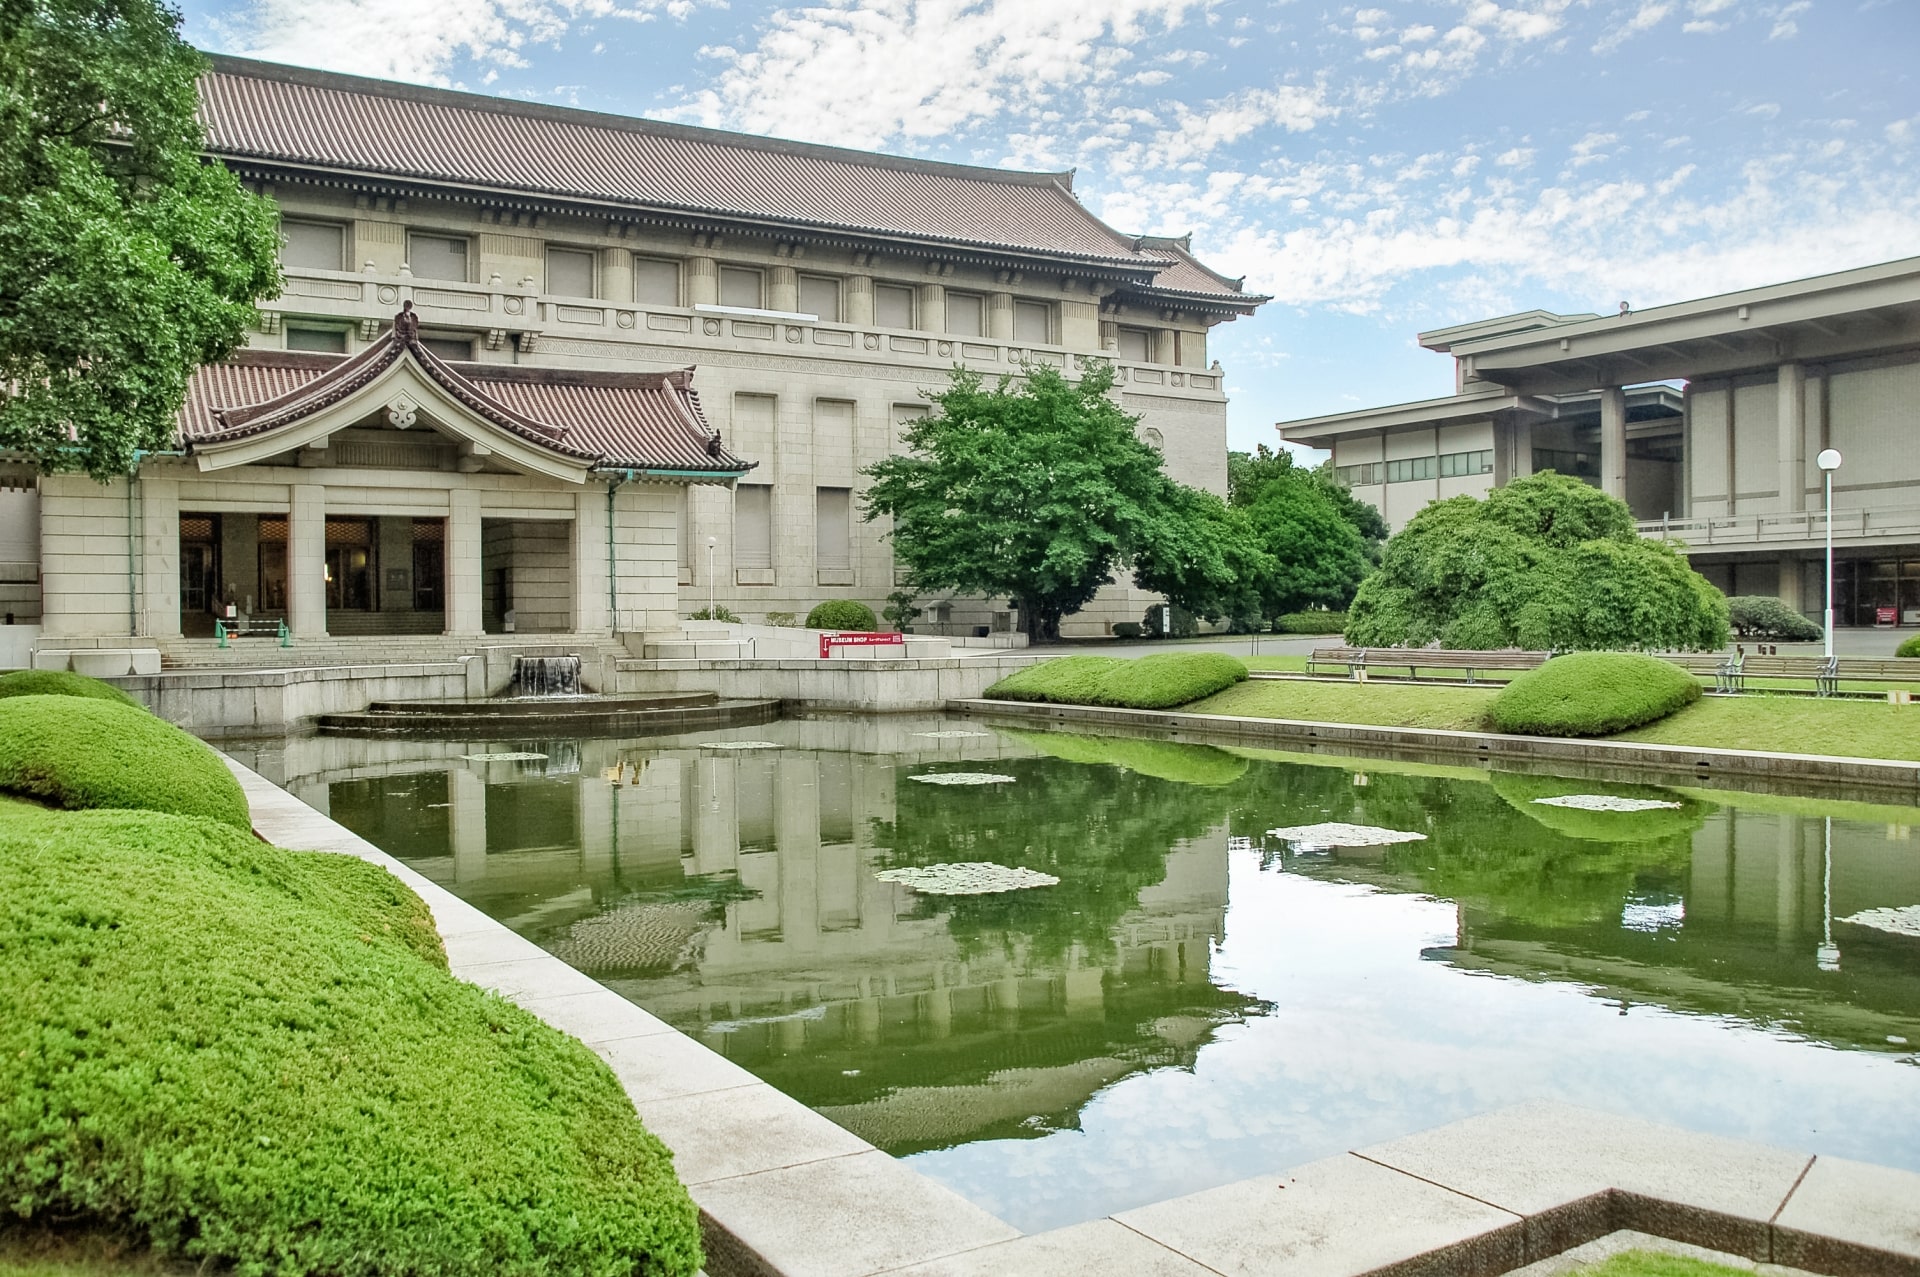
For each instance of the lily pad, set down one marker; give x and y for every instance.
(963, 778)
(969, 878)
(1335, 833)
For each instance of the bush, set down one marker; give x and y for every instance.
(1764, 617)
(1909, 648)
(1128, 629)
(61, 683)
(1593, 694)
(1152, 682)
(715, 613)
(74, 752)
(1321, 622)
(237, 1055)
(843, 614)
(783, 620)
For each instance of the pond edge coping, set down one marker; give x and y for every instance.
(1882, 775)
(778, 1185)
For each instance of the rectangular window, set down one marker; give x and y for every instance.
(892, 306)
(1578, 465)
(1367, 472)
(833, 527)
(740, 287)
(1410, 469)
(429, 565)
(966, 314)
(1033, 321)
(753, 526)
(1136, 345)
(437, 257)
(313, 245)
(1455, 465)
(459, 349)
(327, 341)
(570, 272)
(656, 282)
(820, 295)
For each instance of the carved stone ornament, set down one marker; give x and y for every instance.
(625, 319)
(793, 334)
(369, 329)
(526, 342)
(872, 341)
(269, 322)
(946, 348)
(402, 411)
(711, 327)
(389, 294)
(513, 305)
(406, 324)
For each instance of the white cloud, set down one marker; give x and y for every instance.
(1649, 15)
(1784, 27)
(1901, 132)
(1518, 157)
(1702, 28)
(1591, 149)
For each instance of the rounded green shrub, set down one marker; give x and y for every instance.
(1909, 648)
(1168, 679)
(1321, 622)
(237, 1055)
(70, 751)
(843, 614)
(1592, 694)
(1064, 680)
(1128, 629)
(1765, 617)
(60, 683)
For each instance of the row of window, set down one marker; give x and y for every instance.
(574, 272)
(1578, 465)
(753, 528)
(1448, 465)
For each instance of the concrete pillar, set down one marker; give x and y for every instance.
(933, 308)
(1000, 316)
(1790, 579)
(703, 281)
(1080, 326)
(307, 560)
(160, 558)
(593, 816)
(464, 581)
(859, 300)
(590, 614)
(616, 275)
(796, 832)
(716, 829)
(393, 549)
(1613, 442)
(1793, 437)
(1786, 889)
(783, 289)
(467, 824)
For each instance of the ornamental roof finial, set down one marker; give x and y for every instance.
(406, 324)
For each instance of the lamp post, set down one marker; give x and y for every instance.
(1829, 461)
(713, 541)
(1826, 954)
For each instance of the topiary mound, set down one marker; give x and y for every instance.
(1763, 616)
(1592, 694)
(1152, 682)
(236, 1054)
(61, 683)
(1909, 648)
(73, 752)
(1160, 759)
(843, 614)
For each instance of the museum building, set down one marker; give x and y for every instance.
(546, 371)
(1705, 416)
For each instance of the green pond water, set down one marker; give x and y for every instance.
(1197, 1000)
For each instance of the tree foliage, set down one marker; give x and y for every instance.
(130, 260)
(1318, 539)
(1545, 563)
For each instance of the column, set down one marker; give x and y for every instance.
(464, 584)
(933, 308)
(1790, 580)
(1613, 442)
(1786, 890)
(160, 558)
(796, 833)
(616, 275)
(1793, 437)
(859, 300)
(783, 289)
(703, 281)
(590, 541)
(716, 830)
(467, 824)
(1080, 326)
(307, 560)
(593, 815)
(1000, 316)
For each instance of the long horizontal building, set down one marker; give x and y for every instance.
(1705, 417)
(640, 364)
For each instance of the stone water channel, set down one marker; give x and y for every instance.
(1196, 1000)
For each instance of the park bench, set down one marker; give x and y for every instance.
(1824, 675)
(226, 629)
(1415, 659)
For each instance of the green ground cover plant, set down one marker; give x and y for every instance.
(1338, 701)
(843, 614)
(1762, 616)
(1160, 681)
(1593, 694)
(254, 1059)
(76, 752)
(1163, 760)
(60, 683)
(716, 613)
(1652, 1263)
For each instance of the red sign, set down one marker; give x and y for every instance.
(1886, 616)
(830, 641)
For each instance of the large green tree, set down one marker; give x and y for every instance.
(128, 259)
(1547, 563)
(1038, 490)
(1319, 541)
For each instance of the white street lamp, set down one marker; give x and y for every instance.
(1829, 461)
(713, 541)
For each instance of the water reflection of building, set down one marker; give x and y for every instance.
(851, 993)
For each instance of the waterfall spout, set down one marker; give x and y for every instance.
(546, 676)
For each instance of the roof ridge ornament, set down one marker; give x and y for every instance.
(406, 324)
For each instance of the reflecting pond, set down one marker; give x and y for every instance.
(1197, 1000)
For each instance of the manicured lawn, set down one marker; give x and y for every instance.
(1801, 725)
(1651, 1263)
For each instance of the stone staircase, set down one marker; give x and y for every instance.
(599, 653)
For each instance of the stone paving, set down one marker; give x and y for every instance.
(783, 1192)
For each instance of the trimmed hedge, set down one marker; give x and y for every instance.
(1592, 694)
(236, 1054)
(61, 683)
(1909, 648)
(1163, 760)
(1763, 616)
(70, 751)
(1160, 681)
(1128, 629)
(1311, 623)
(843, 614)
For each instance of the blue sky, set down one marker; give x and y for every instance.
(1379, 168)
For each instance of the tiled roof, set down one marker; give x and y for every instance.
(640, 421)
(1187, 275)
